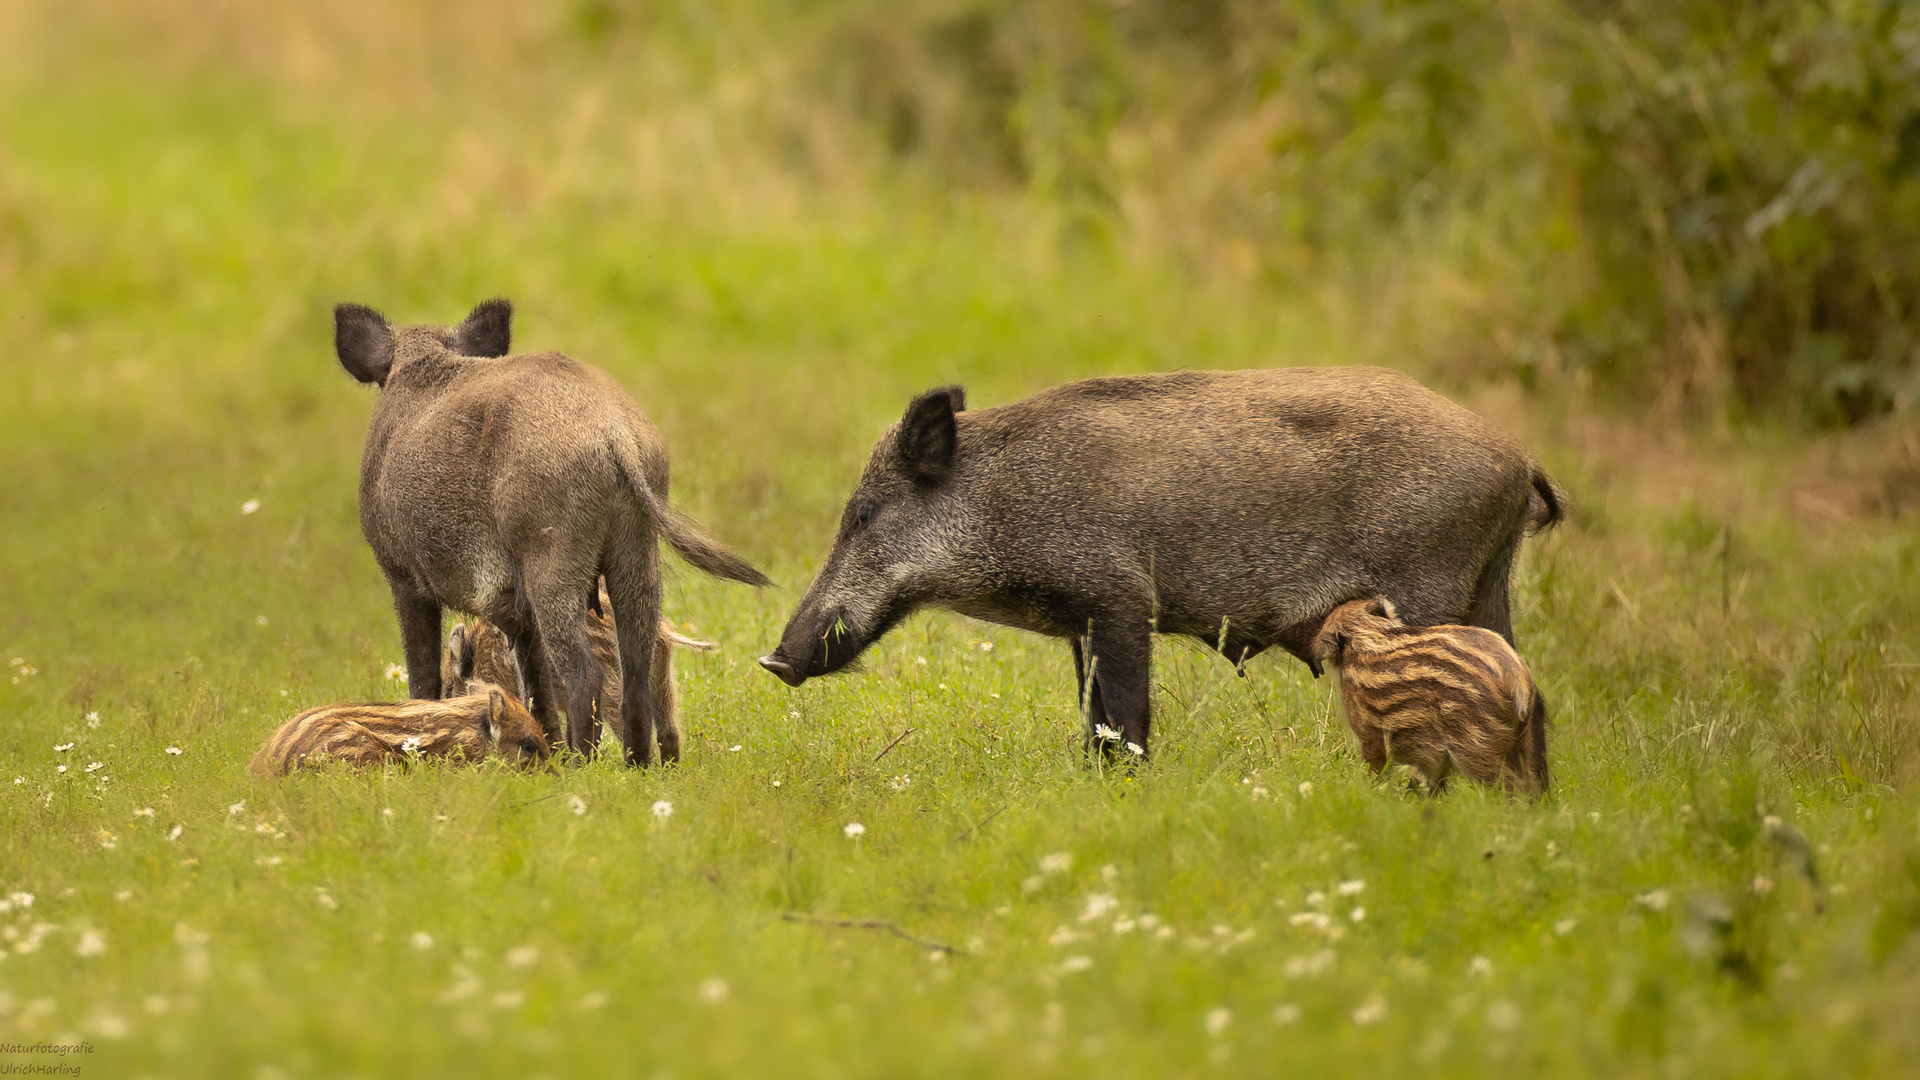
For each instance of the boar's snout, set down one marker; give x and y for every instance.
(784, 668)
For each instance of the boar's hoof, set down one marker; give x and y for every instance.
(787, 672)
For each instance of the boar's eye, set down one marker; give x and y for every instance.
(859, 513)
(530, 746)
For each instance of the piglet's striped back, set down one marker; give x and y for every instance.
(1440, 698)
(467, 728)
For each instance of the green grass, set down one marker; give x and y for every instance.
(168, 254)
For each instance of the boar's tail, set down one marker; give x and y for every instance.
(686, 537)
(1535, 750)
(1546, 503)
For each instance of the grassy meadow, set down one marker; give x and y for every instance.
(1724, 880)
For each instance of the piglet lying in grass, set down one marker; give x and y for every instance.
(1438, 698)
(484, 723)
(479, 650)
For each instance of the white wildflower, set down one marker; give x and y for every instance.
(175, 751)
(145, 811)
(108, 840)
(1031, 884)
(1480, 966)
(986, 646)
(901, 782)
(1306, 787)
(1123, 926)
(421, 941)
(578, 805)
(123, 895)
(1655, 900)
(1503, 1016)
(854, 830)
(397, 672)
(325, 899)
(1105, 733)
(18, 780)
(1350, 888)
(714, 991)
(1309, 965)
(267, 860)
(524, 956)
(1286, 1014)
(662, 809)
(1259, 794)
(1316, 899)
(93, 720)
(1134, 748)
(174, 833)
(1218, 1021)
(1076, 963)
(1359, 914)
(92, 943)
(509, 999)
(920, 660)
(59, 768)
(1564, 927)
(61, 748)
(259, 620)
(95, 766)
(249, 506)
(1372, 1011)
(1057, 863)
(1762, 885)
(237, 808)
(1098, 904)
(22, 900)
(735, 748)
(1065, 935)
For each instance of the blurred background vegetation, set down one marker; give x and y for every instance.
(1708, 208)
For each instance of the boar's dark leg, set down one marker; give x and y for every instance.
(533, 675)
(1492, 606)
(1092, 711)
(420, 635)
(560, 618)
(633, 584)
(1118, 654)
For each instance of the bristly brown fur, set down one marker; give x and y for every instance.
(484, 723)
(476, 649)
(1438, 698)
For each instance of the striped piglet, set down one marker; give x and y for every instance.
(1438, 698)
(479, 650)
(483, 723)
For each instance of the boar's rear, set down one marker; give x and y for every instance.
(1237, 508)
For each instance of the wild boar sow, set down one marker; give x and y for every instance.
(505, 486)
(1238, 508)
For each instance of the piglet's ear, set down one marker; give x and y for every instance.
(929, 435)
(1383, 607)
(488, 330)
(496, 715)
(364, 342)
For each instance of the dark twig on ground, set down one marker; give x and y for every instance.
(888, 925)
(978, 825)
(891, 745)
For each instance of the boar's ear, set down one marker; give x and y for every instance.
(488, 330)
(929, 435)
(496, 715)
(364, 342)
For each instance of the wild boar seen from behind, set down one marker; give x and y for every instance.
(476, 649)
(506, 487)
(489, 722)
(1234, 507)
(1439, 698)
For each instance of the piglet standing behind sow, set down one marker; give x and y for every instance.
(1438, 698)
(485, 723)
(478, 650)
